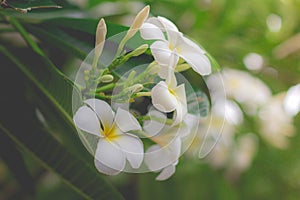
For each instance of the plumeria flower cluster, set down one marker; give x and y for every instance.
(117, 129)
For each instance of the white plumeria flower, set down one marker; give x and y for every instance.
(168, 97)
(163, 158)
(154, 29)
(164, 155)
(115, 144)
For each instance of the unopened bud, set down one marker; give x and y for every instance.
(136, 88)
(100, 40)
(138, 51)
(135, 26)
(100, 37)
(107, 78)
(138, 21)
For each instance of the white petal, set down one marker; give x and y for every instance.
(181, 109)
(103, 110)
(110, 155)
(167, 71)
(133, 148)
(157, 157)
(198, 61)
(86, 119)
(151, 32)
(126, 121)
(179, 114)
(161, 52)
(163, 71)
(155, 124)
(104, 169)
(168, 25)
(166, 173)
(193, 45)
(162, 99)
(175, 38)
(155, 21)
(171, 78)
(180, 93)
(172, 82)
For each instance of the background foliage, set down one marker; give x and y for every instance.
(41, 154)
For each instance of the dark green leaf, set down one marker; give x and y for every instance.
(52, 155)
(31, 3)
(74, 166)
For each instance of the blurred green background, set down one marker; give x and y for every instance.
(258, 38)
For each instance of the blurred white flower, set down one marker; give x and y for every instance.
(253, 61)
(251, 92)
(292, 100)
(115, 144)
(276, 125)
(274, 22)
(175, 43)
(235, 155)
(229, 110)
(243, 152)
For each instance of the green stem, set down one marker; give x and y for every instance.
(103, 97)
(106, 87)
(142, 94)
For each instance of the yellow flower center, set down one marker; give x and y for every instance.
(110, 133)
(172, 92)
(171, 47)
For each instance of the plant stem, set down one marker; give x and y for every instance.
(106, 87)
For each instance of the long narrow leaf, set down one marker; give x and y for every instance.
(53, 156)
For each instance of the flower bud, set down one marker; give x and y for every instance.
(107, 78)
(138, 21)
(136, 88)
(100, 38)
(135, 26)
(138, 51)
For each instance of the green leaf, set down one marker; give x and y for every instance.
(15, 163)
(55, 91)
(85, 180)
(62, 40)
(85, 25)
(26, 36)
(73, 36)
(31, 3)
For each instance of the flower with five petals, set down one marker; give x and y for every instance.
(154, 29)
(115, 144)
